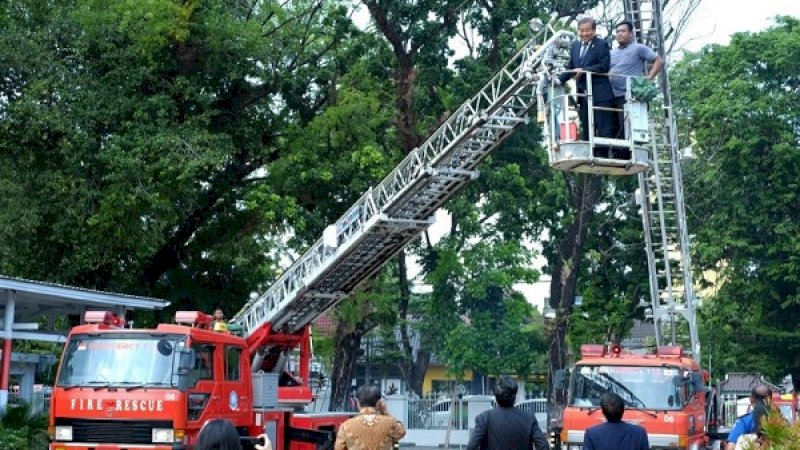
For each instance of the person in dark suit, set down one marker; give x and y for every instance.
(591, 54)
(506, 427)
(615, 434)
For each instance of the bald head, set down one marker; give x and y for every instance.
(762, 392)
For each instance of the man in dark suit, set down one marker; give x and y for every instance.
(615, 434)
(506, 427)
(591, 54)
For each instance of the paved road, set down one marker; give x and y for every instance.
(415, 447)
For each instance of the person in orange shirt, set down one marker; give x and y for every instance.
(373, 428)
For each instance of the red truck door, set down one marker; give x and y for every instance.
(236, 396)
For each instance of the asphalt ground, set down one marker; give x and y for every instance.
(414, 447)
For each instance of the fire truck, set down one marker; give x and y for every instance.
(123, 388)
(666, 391)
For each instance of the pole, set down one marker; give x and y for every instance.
(5, 370)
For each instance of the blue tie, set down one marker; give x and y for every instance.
(584, 47)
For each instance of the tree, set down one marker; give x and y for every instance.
(139, 138)
(738, 102)
(615, 279)
(417, 34)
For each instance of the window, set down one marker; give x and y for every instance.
(203, 363)
(233, 357)
(119, 360)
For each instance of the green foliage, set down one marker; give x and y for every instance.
(779, 434)
(135, 137)
(739, 104)
(14, 438)
(614, 278)
(323, 350)
(22, 430)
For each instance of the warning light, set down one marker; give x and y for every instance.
(669, 351)
(103, 318)
(593, 350)
(192, 318)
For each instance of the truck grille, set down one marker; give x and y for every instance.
(116, 431)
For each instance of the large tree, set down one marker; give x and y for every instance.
(141, 141)
(739, 104)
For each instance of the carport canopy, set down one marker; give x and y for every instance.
(23, 304)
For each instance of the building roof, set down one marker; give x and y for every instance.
(35, 299)
(743, 383)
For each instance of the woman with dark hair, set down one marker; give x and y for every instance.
(218, 434)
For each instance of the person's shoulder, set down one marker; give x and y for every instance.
(643, 49)
(596, 429)
(639, 429)
(386, 418)
(349, 422)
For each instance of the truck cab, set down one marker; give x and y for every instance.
(663, 392)
(146, 388)
(121, 388)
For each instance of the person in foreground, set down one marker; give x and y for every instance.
(373, 428)
(220, 434)
(506, 427)
(615, 434)
(748, 426)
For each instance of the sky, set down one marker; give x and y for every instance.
(715, 20)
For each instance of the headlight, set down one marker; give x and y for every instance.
(63, 433)
(163, 435)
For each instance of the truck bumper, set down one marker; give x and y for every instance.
(95, 446)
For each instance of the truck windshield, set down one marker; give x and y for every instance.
(640, 387)
(125, 361)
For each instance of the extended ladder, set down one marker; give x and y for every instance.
(393, 213)
(661, 197)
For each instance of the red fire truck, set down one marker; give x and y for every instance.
(663, 392)
(120, 388)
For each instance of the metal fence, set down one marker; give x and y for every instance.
(438, 413)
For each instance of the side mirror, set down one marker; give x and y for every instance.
(558, 379)
(697, 381)
(186, 359)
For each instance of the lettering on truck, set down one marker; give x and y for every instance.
(116, 405)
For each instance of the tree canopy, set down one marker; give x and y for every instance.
(739, 105)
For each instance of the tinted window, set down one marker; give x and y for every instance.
(233, 356)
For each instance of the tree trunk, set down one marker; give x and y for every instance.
(584, 196)
(345, 355)
(404, 102)
(415, 363)
(795, 374)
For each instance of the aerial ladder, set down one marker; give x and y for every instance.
(660, 195)
(203, 365)
(388, 216)
(669, 423)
